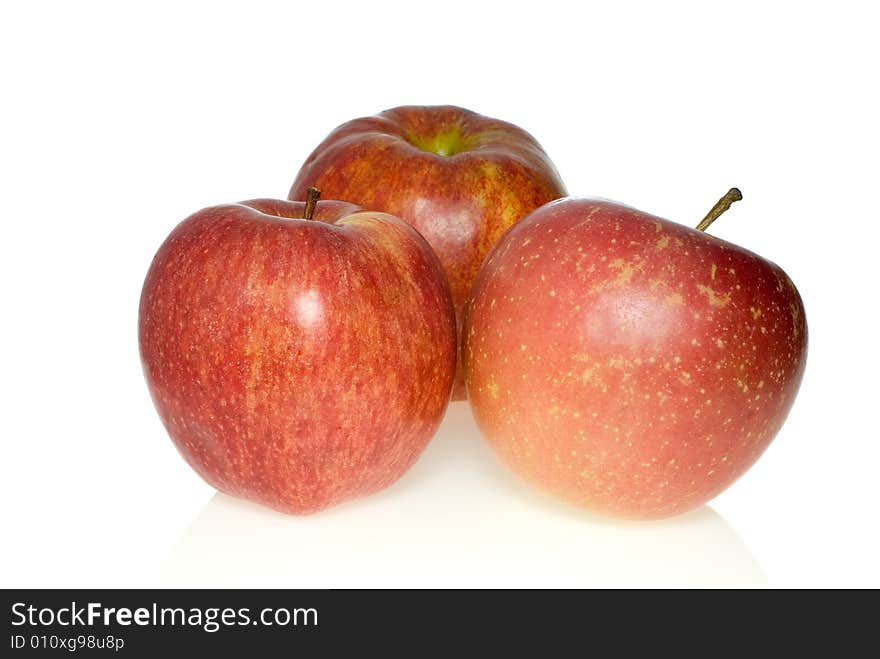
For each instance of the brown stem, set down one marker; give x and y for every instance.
(723, 204)
(312, 195)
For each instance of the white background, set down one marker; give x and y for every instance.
(118, 121)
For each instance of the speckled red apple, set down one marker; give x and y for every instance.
(628, 364)
(460, 178)
(297, 363)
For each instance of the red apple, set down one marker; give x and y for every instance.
(628, 364)
(458, 177)
(297, 363)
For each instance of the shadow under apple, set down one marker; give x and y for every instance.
(457, 519)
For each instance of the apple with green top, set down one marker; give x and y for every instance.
(458, 177)
(299, 354)
(628, 364)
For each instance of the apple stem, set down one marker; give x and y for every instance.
(723, 204)
(312, 195)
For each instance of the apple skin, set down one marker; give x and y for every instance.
(458, 177)
(297, 363)
(628, 364)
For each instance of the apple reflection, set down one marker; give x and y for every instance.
(457, 519)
